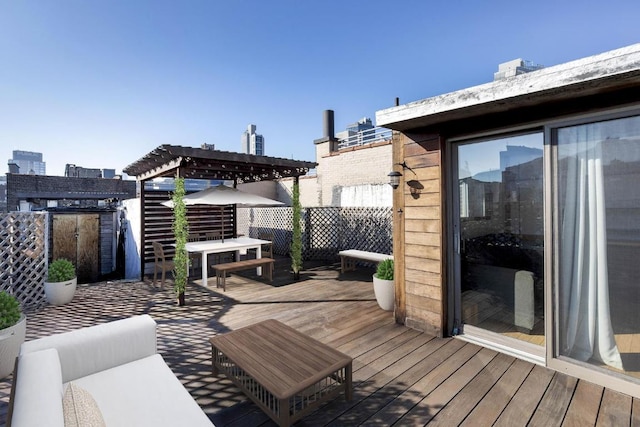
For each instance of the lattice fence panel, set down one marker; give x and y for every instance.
(23, 256)
(326, 231)
(252, 221)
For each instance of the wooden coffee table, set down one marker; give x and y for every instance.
(286, 373)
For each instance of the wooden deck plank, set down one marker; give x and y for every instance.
(583, 409)
(467, 399)
(342, 413)
(378, 392)
(398, 369)
(554, 403)
(435, 401)
(635, 413)
(491, 406)
(615, 409)
(396, 409)
(526, 399)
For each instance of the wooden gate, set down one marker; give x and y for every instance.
(76, 237)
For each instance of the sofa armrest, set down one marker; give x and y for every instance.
(37, 390)
(96, 348)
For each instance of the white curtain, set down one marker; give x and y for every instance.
(586, 332)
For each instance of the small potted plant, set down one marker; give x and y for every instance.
(383, 285)
(13, 327)
(60, 286)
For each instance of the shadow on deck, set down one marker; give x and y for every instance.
(401, 376)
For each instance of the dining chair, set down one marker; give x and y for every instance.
(220, 257)
(161, 263)
(267, 248)
(194, 257)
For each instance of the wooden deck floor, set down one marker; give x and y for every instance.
(401, 376)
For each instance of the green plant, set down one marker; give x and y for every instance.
(180, 229)
(61, 270)
(385, 270)
(296, 242)
(9, 310)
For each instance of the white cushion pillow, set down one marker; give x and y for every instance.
(80, 408)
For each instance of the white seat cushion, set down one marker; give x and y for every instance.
(143, 393)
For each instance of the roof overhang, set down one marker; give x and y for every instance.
(611, 71)
(199, 163)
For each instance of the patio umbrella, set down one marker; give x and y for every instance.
(221, 195)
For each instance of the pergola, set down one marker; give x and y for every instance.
(171, 161)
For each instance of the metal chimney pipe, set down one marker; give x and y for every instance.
(328, 124)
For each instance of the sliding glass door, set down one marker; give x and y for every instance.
(499, 231)
(597, 194)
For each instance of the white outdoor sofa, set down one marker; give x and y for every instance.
(116, 363)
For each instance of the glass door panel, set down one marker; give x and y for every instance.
(500, 236)
(598, 196)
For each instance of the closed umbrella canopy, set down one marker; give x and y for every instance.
(221, 195)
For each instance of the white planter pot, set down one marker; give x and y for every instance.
(385, 293)
(59, 293)
(11, 339)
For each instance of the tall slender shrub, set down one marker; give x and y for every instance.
(296, 242)
(180, 228)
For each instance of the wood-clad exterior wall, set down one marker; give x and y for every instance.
(418, 232)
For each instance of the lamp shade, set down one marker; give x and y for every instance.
(394, 179)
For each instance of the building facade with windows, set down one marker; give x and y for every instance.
(523, 233)
(252, 143)
(29, 162)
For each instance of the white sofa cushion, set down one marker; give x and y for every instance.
(38, 391)
(80, 408)
(143, 393)
(88, 350)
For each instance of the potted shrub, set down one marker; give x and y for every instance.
(383, 285)
(13, 327)
(60, 286)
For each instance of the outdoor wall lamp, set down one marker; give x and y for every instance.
(394, 176)
(394, 179)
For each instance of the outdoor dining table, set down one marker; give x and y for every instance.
(237, 245)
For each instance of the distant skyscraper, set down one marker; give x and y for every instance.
(515, 67)
(29, 162)
(252, 143)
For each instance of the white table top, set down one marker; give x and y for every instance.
(234, 244)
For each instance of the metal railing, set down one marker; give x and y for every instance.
(367, 136)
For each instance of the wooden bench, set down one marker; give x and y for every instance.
(348, 258)
(246, 264)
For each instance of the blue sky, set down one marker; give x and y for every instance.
(101, 83)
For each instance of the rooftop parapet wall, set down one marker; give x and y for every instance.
(589, 75)
(24, 187)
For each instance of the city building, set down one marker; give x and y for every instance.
(514, 68)
(29, 162)
(252, 143)
(73, 171)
